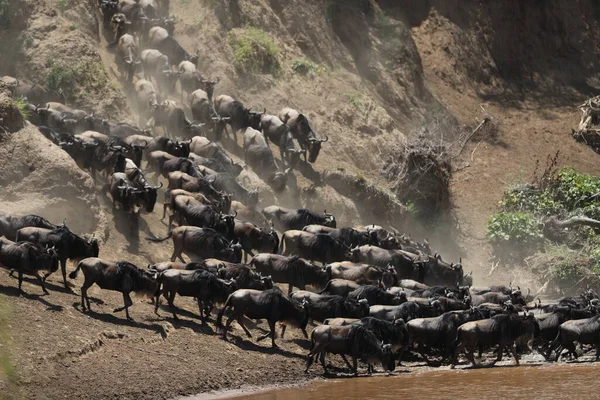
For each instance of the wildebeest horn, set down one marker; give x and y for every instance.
(160, 184)
(326, 139)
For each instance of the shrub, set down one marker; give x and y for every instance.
(304, 67)
(529, 199)
(255, 51)
(60, 79)
(574, 189)
(354, 99)
(21, 104)
(514, 228)
(86, 75)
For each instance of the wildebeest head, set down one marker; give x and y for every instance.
(170, 78)
(92, 242)
(209, 87)
(150, 195)
(193, 58)
(96, 123)
(253, 118)
(388, 361)
(314, 148)
(279, 179)
(329, 220)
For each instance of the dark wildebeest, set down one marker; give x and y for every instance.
(173, 147)
(321, 248)
(181, 180)
(243, 275)
(252, 237)
(258, 155)
(303, 133)
(279, 133)
(175, 121)
(109, 8)
(68, 245)
(354, 340)
(248, 213)
(124, 130)
(322, 307)
(204, 286)
(549, 322)
(29, 259)
(124, 192)
(9, 225)
(502, 330)
(439, 332)
(376, 295)
(286, 219)
(516, 297)
(156, 65)
(394, 333)
(407, 311)
(205, 148)
(227, 183)
(134, 12)
(364, 274)
(339, 287)
(583, 331)
(120, 276)
(201, 242)
(149, 193)
(349, 236)
(271, 305)
(119, 25)
(204, 216)
(438, 272)
(407, 265)
(236, 115)
(294, 271)
(159, 39)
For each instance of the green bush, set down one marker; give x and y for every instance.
(85, 75)
(61, 79)
(528, 200)
(21, 104)
(354, 99)
(566, 273)
(515, 228)
(574, 189)
(255, 51)
(304, 67)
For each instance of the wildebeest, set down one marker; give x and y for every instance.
(302, 131)
(279, 133)
(205, 216)
(354, 340)
(339, 287)
(205, 148)
(159, 39)
(293, 270)
(68, 245)
(438, 272)
(271, 305)
(29, 259)
(127, 51)
(583, 331)
(439, 332)
(120, 276)
(252, 237)
(124, 130)
(364, 274)
(549, 322)
(236, 115)
(175, 148)
(322, 307)
(320, 247)
(147, 100)
(181, 180)
(175, 121)
(516, 297)
(227, 183)
(376, 295)
(258, 155)
(349, 236)
(156, 65)
(286, 219)
(201, 242)
(124, 192)
(204, 286)
(191, 80)
(9, 224)
(149, 193)
(244, 276)
(407, 265)
(248, 213)
(407, 311)
(394, 333)
(109, 8)
(502, 330)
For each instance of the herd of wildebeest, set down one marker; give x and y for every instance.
(378, 295)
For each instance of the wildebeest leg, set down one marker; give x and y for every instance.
(470, 353)
(37, 275)
(283, 328)
(513, 350)
(86, 285)
(322, 359)
(289, 289)
(21, 292)
(240, 321)
(346, 361)
(355, 365)
(127, 303)
(202, 317)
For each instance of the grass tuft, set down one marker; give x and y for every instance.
(255, 51)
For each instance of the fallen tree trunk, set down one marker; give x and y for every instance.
(555, 222)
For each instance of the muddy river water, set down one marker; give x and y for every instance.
(544, 381)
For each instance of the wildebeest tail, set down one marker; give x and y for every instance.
(326, 288)
(74, 274)
(158, 240)
(281, 244)
(219, 322)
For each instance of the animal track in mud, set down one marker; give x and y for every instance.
(90, 347)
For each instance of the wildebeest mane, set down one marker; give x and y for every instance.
(141, 282)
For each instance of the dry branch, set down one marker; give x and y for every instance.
(554, 222)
